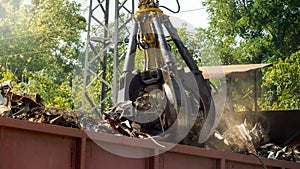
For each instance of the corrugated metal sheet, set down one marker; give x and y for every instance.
(210, 72)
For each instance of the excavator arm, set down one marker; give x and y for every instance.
(162, 100)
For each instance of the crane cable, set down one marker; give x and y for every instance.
(178, 9)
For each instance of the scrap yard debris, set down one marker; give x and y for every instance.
(30, 108)
(95, 125)
(273, 151)
(24, 107)
(115, 118)
(240, 138)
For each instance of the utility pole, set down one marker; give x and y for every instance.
(103, 44)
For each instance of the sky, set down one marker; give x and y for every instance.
(192, 11)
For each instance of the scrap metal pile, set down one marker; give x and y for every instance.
(30, 108)
(246, 139)
(115, 117)
(240, 138)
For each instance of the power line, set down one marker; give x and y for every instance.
(25, 53)
(192, 10)
(23, 36)
(36, 34)
(33, 34)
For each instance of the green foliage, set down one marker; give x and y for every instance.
(7, 75)
(260, 31)
(284, 78)
(39, 47)
(54, 94)
(254, 31)
(41, 36)
(198, 45)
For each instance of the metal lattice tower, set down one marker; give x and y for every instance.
(107, 19)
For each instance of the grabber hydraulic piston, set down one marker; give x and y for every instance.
(161, 100)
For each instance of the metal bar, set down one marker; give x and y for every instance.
(156, 159)
(92, 48)
(97, 20)
(222, 163)
(102, 8)
(101, 25)
(94, 108)
(80, 153)
(86, 64)
(102, 52)
(127, 9)
(95, 74)
(83, 152)
(104, 62)
(92, 81)
(23, 125)
(166, 53)
(256, 94)
(203, 88)
(230, 99)
(185, 54)
(116, 54)
(95, 8)
(131, 49)
(133, 6)
(124, 25)
(122, 6)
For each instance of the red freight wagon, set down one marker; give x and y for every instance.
(29, 145)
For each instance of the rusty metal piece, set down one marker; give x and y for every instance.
(296, 153)
(4, 110)
(41, 120)
(240, 138)
(56, 120)
(95, 125)
(29, 107)
(273, 151)
(115, 118)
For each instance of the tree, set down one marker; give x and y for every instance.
(259, 31)
(285, 78)
(198, 45)
(254, 31)
(44, 35)
(40, 42)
